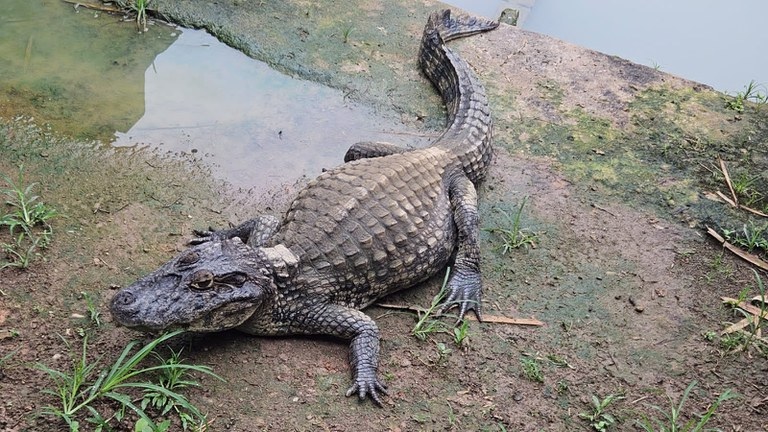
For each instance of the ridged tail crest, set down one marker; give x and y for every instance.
(470, 130)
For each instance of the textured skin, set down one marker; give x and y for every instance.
(386, 220)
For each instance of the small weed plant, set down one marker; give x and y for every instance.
(753, 335)
(531, 369)
(140, 7)
(753, 92)
(94, 314)
(748, 337)
(514, 236)
(26, 218)
(673, 420)
(747, 189)
(751, 237)
(599, 419)
(347, 32)
(461, 333)
(428, 323)
(172, 378)
(77, 391)
(443, 352)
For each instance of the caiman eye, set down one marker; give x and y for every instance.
(201, 280)
(188, 259)
(233, 279)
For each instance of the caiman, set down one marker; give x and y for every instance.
(385, 220)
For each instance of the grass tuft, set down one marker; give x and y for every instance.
(427, 323)
(77, 391)
(753, 92)
(514, 236)
(532, 369)
(672, 420)
(26, 218)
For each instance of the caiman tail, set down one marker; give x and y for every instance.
(469, 133)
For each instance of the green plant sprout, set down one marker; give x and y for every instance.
(515, 236)
(752, 92)
(140, 7)
(531, 369)
(598, 418)
(427, 324)
(27, 222)
(672, 420)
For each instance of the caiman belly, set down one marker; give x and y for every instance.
(372, 227)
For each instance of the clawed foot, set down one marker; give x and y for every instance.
(465, 290)
(368, 387)
(204, 236)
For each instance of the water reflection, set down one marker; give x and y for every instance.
(713, 42)
(706, 41)
(256, 125)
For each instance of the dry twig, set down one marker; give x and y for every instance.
(496, 319)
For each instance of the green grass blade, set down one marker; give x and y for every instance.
(127, 402)
(128, 370)
(179, 399)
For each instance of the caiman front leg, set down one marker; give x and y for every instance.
(255, 232)
(465, 287)
(372, 149)
(349, 324)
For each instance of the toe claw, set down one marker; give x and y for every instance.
(366, 390)
(464, 291)
(204, 236)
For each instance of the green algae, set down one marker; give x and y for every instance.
(666, 157)
(80, 71)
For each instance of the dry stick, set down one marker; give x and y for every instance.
(756, 315)
(496, 319)
(726, 199)
(751, 210)
(735, 201)
(723, 197)
(754, 310)
(753, 259)
(728, 181)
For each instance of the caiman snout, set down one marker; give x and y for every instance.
(123, 299)
(124, 306)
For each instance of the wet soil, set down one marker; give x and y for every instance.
(614, 162)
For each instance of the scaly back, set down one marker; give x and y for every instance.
(469, 133)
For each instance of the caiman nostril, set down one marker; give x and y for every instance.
(125, 298)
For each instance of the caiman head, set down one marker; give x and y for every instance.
(210, 287)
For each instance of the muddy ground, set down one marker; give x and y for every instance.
(615, 162)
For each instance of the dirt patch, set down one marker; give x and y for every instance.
(627, 285)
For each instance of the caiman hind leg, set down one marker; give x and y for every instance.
(465, 287)
(353, 325)
(255, 232)
(372, 149)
